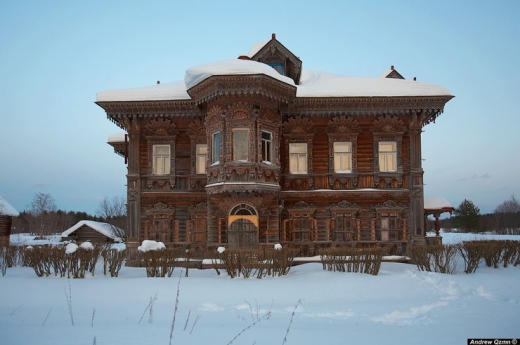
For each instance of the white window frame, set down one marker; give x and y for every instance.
(298, 160)
(161, 160)
(201, 155)
(240, 145)
(267, 146)
(388, 158)
(342, 157)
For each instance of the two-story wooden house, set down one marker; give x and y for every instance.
(256, 151)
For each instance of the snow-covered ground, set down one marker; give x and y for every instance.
(401, 305)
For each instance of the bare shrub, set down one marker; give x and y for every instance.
(493, 252)
(437, 258)
(472, 252)
(259, 263)
(113, 260)
(3, 259)
(348, 259)
(160, 262)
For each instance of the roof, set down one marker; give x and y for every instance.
(312, 84)
(6, 209)
(436, 203)
(117, 137)
(103, 228)
(197, 74)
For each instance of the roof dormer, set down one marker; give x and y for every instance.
(274, 54)
(392, 73)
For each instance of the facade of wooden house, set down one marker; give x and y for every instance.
(256, 151)
(7, 212)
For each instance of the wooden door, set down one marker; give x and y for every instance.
(242, 233)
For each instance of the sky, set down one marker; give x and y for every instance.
(56, 55)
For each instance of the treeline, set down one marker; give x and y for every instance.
(467, 218)
(54, 221)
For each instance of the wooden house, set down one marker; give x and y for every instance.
(92, 231)
(255, 151)
(7, 212)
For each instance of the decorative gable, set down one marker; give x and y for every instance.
(274, 54)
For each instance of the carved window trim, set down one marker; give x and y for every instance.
(389, 221)
(388, 128)
(160, 179)
(342, 213)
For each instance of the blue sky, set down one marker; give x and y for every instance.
(56, 55)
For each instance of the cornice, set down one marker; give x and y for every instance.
(117, 111)
(256, 85)
(359, 106)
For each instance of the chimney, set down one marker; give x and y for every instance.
(244, 57)
(273, 36)
(158, 82)
(392, 67)
(414, 78)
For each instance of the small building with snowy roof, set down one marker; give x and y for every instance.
(92, 231)
(256, 150)
(7, 212)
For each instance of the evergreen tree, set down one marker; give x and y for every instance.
(467, 217)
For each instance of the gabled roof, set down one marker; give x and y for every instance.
(437, 203)
(267, 50)
(392, 73)
(103, 228)
(6, 209)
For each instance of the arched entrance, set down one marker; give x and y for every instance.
(243, 227)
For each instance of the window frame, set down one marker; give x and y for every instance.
(304, 156)
(386, 156)
(216, 147)
(166, 158)
(341, 156)
(266, 147)
(200, 163)
(244, 156)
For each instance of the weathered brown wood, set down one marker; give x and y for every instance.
(319, 207)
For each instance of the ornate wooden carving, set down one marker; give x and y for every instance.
(388, 124)
(240, 110)
(160, 127)
(344, 125)
(298, 125)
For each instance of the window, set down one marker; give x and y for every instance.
(298, 158)
(240, 144)
(266, 146)
(161, 159)
(279, 67)
(388, 228)
(215, 157)
(387, 156)
(342, 157)
(201, 156)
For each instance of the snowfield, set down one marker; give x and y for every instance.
(401, 305)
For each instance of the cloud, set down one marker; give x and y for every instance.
(486, 175)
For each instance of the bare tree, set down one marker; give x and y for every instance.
(113, 212)
(507, 216)
(41, 209)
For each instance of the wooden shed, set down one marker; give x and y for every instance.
(97, 232)
(7, 212)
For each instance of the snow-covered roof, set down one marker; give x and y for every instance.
(197, 74)
(256, 48)
(312, 84)
(324, 84)
(117, 137)
(6, 209)
(103, 228)
(160, 92)
(436, 203)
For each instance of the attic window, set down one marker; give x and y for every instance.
(278, 66)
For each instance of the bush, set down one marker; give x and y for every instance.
(160, 262)
(437, 258)
(358, 260)
(259, 263)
